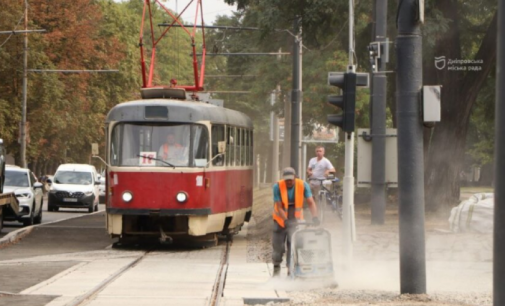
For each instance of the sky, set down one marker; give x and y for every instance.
(211, 9)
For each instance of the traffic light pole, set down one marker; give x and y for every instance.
(348, 229)
(378, 118)
(410, 150)
(499, 157)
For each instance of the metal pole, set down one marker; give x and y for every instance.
(499, 157)
(351, 32)
(378, 121)
(25, 85)
(410, 151)
(286, 153)
(296, 99)
(275, 144)
(348, 188)
(303, 172)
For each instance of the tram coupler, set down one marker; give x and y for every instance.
(165, 239)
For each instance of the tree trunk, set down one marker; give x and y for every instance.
(446, 143)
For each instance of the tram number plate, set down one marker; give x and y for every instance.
(69, 200)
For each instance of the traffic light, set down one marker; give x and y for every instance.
(347, 81)
(347, 101)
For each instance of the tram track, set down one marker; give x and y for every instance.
(217, 291)
(87, 297)
(214, 297)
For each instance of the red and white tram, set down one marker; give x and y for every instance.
(198, 186)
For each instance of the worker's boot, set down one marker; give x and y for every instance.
(277, 270)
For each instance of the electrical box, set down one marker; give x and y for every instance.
(431, 103)
(364, 178)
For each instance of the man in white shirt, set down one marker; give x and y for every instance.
(319, 168)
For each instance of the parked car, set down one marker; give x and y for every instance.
(28, 191)
(101, 190)
(74, 186)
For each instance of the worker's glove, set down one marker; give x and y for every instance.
(315, 221)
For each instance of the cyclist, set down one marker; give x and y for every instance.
(319, 168)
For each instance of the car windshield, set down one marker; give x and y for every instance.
(159, 145)
(16, 179)
(73, 177)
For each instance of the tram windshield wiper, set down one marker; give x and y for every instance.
(157, 159)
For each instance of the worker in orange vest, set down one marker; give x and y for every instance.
(289, 195)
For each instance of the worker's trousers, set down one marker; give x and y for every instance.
(282, 239)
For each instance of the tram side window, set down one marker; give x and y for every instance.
(251, 148)
(230, 146)
(217, 136)
(115, 146)
(238, 147)
(246, 147)
(200, 146)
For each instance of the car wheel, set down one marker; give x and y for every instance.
(29, 221)
(1, 221)
(38, 219)
(91, 208)
(96, 207)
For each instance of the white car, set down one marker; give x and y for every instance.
(74, 186)
(28, 191)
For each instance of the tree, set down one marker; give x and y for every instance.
(445, 146)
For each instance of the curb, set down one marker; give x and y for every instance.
(15, 236)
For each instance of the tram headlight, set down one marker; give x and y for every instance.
(181, 197)
(127, 196)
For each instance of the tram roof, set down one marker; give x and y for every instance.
(178, 111)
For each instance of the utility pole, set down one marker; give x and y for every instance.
(25, 85)
(286, 145)
(378, 111)
(275, 137)
(499, 157)
(296, 96)
(410, 149)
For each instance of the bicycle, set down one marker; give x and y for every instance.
(329, 197)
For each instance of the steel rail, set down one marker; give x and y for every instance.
(83, 299)
(217, 291)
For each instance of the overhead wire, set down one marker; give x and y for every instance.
(10, 35)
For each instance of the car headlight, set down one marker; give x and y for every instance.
(88, 193)
(24, 195)
(127, 196)
(181, 197)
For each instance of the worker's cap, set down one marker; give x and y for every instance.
(288, 173)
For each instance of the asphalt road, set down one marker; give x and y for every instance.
(48, 216)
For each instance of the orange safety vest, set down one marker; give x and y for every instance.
(281, 212)
(165, 149)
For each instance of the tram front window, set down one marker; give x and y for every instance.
(176, 145)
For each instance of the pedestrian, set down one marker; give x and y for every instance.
(289, 194)
(318, 169)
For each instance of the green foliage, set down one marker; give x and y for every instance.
(66, 112)
(480, 145)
